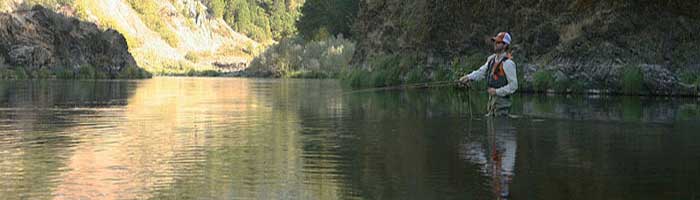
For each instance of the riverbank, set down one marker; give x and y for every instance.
(634, 48)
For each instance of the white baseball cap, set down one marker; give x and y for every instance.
(502, 37)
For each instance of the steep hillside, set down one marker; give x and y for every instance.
(164, 36)
(171, 36)
(584, 41)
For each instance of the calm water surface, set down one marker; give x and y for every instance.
(217, 138)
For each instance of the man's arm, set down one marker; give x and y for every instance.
(511, 75)
(479, 73)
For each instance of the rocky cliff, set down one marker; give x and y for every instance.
(582, 40)
(168, 35)
(165, 37)
(42, 39)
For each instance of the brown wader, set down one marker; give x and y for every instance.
(498, 106)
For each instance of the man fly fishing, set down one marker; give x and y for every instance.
(500, 74)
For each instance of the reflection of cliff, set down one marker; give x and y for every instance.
(645, 109)
(29, 162)
(38, 129)
(194, 138)
(607, 160)
(157, 135)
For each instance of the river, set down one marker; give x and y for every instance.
(235, 138)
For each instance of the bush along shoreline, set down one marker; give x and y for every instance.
(82, 72)
(627, 79)
(612, 79)
(294, 58)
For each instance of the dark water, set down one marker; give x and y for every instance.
(207, 138)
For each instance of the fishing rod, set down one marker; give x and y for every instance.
(404, 87)
(433, 84)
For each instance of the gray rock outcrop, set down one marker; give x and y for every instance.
(41, 38)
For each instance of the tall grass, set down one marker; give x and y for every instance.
(391, 70)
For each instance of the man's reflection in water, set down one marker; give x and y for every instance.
(495, 154)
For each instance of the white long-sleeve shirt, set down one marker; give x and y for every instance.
(511, 75)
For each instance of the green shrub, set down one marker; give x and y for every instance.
(191, 72)
(308, 74)
(377, 79)
(416, 76)
(101, 75)
(43, 73)
(388, 73)
(543, 80)
(64, 73)
(192, 56)
(133, 73)
(217, 7)
(386, 70)
(323, 18)
(20, 73)
(632, 80)
(7, 74)
(86, 72)
(561, 86)
(577, 86)
(570, 85)
(210, 73)
(356, 78)
(316, 59)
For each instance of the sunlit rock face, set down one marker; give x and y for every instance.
(41, 38)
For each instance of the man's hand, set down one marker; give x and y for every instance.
(492, 91)
(463, 81)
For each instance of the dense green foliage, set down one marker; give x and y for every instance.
(265, 20)
(543, 80)
(262, 20)
(321, 18)
(632, 80)
(216, 7)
